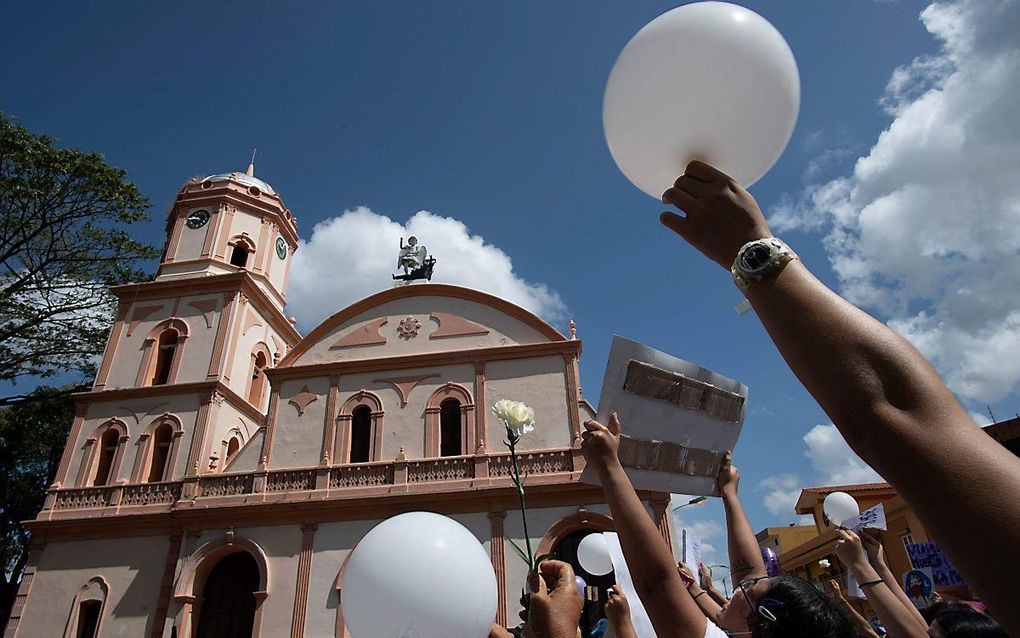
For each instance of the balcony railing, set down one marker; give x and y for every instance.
(338, 481)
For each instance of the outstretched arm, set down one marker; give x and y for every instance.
(885, 398)
(896, 619)
(656, 580)
(833, 591)
(745, 554)
(699, 595)
(876, 557)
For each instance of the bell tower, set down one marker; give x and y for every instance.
(230, 222)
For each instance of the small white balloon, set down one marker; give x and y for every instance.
(593, 555)
(839, 506)
(419, 574)
(709, 80)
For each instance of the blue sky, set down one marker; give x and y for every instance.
(490, 113)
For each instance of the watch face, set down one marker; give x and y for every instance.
(198, 219)
(755, 258)
(281, 248)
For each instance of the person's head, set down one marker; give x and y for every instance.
(783, 607)
(959, 620)
(412, 240)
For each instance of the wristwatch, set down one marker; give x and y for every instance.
(760, 259)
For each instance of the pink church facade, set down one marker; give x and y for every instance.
(223, 466)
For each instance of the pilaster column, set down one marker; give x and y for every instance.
(24, 589)
(111, 346)
(166, 586)
(660, 510)
(270, 433)
(573, 410)
(80, 410)
(497, 551)
(481, 411)
(329, 426)
(196, 453)
(304, 572)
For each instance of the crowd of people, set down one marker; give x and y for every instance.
(894, 411)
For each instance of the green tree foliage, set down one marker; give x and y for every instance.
(63, 214)
(32, 436)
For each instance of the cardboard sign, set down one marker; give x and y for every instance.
(873, 517)
(678, 419)
(919, 585)
(929, 556)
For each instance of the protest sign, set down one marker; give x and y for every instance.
(929, 556)
(919, 585)
(678, 419)
(873, 517)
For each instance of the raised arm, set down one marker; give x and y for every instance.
(705, 574)
(876, 556)
(745, 554)
(700, 595)
(656, 580)
(885, 398)
(833, 591)
(897, 620)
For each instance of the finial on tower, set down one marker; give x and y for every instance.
(251, 165)
(573, 329)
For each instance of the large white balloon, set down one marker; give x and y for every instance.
(593, 555)
(711, 81)
(419, 574)
(839, 506)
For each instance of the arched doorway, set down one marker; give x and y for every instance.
(228, 598)
(598, 586)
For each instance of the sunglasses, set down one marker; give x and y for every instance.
(762, 605)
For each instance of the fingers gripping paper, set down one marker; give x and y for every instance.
(678, 418)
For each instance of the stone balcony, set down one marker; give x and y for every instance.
(336, 482)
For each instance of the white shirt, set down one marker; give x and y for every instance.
(713, 631)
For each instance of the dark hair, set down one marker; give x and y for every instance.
(801, 611)
(959, 620)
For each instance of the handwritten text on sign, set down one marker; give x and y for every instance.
(929, 555)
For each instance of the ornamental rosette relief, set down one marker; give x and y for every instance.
(408, 327)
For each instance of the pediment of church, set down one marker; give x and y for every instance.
(420, 319)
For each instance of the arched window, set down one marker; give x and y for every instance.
(162, 439)
(450, 439)
(166, 348)
(232, 447)
(359, 429)
(361, 435)
(228, 606)
(108, 444)
(239, 255)
(257, 387)
(450, 422)
(86, 619)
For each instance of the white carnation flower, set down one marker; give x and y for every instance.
(518, 417)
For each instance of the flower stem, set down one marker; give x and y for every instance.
(520, 495)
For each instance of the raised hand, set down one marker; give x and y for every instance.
(850, 550)
(556, 602)
(600, 444)
(617, 607)
(873, 547)
(728, 476)
(721, 215)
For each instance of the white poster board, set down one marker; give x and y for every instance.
(873, 517)
(638, 615)
(678, 418)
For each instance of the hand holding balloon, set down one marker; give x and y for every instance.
(721, 215)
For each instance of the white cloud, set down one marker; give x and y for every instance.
(781, 494)
(926, 230)
(832, 462)
(351, 256)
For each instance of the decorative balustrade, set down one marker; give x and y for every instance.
(226, 484)
(406, 473)
(449, 468)
(290, 480)
(532, 463)
(361, 475)
(149, 493)
(83, 498)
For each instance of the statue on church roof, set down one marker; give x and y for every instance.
(414, 261)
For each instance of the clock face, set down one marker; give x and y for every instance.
(198, 219)
(755, 258)
(281, 248)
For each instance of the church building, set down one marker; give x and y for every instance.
(223, 466)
